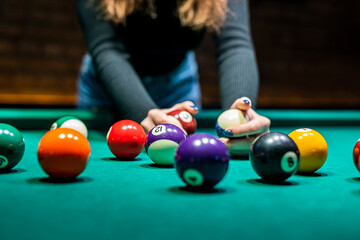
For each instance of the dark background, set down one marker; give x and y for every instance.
(307, 54)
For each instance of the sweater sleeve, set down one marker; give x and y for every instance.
(111, 61)
(238, 72)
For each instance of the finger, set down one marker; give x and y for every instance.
(254, 126)
(190, 107)
(240, 101)
(187, 105)
(252, 114)
(257, 124)
(244, 104)
(160, 117)
(147, 124)
(224, 140)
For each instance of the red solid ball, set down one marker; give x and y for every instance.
(186, 120)
(356, 155)
(126, 139)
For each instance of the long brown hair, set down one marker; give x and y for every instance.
(196, 14)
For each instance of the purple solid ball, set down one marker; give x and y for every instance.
(202, 160)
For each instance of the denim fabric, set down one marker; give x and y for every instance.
(166, 90)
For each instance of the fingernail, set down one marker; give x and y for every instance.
(194, 107)
(228, 133)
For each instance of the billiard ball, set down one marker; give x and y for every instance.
(126, 139)
(229, 118)
(162, 141)
(185, 119)
(356, 155)
(313, 149)
(63, 153)
(202, 160)
(12, 147)
(274, 156)
(70, 122)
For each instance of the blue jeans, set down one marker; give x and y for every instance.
(166, 90)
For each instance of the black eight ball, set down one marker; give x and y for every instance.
(274, 156)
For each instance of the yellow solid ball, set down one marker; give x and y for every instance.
(313, 149)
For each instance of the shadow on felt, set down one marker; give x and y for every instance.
(13, 171)
(239, 158)
(314, 174)
(356, 193)
(353, 180)
(50, 180)
(263, 182)
(181, 190)
(115, 159)
(154, 165)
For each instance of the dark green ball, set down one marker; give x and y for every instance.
(12, 147)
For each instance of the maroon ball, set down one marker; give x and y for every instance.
(356, 155)
(202, 160)
(186, 120)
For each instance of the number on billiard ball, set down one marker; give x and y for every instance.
(202, 161)
(274, 156)
(162, 141)
(12, 147)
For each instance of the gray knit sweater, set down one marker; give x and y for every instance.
(152, 46)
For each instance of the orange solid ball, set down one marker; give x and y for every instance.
(313, 149)
(63, 153)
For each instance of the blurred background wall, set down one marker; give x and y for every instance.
(307, 53)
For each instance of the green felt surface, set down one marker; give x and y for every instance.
(115, 199)
(43, 118)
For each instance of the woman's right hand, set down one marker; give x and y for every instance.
(159, 116)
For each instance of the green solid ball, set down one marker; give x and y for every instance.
(71, 122)
(12, 147)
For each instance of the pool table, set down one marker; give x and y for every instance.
(114, 199)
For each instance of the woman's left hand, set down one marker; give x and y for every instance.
(256, 126)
